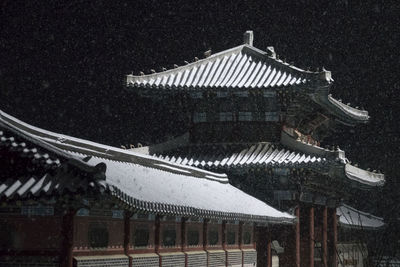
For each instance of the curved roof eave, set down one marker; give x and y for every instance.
(345, 113)
(150, 184)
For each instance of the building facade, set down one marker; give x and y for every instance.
(71, 202)
(262, 120)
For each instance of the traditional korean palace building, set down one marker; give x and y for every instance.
(252, 118)
(261, 120)
(70, 202)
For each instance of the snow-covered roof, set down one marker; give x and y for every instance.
(241, 68)
(252, 155)
(146, 183)
(350, 217)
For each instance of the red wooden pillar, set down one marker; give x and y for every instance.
(183, 238)
(127, 234)
(334, 238)
(157, 234)
(311, 236)
(224, 241)
(269, 249)
(325, 236)
(205, 236)
(298, 236)
(67, 233)
(240, 239)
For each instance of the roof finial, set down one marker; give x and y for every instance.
(207, 53)
(248, 38)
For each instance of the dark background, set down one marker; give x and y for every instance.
(62, 66)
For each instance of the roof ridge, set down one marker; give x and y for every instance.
(219, 54)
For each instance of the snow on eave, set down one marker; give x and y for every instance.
(73, 144)
(353, 219)
(363, 176)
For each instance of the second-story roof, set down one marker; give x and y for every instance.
(245, 68)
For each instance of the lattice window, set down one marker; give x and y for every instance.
(245, 116)
(247, 237)
(225, 116)
(271, 116)
(213, 236)
(169, 236)
(193, 236)
(141, 236)
(231, 238)
(199, 117)
(98, 235)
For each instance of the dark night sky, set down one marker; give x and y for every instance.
(62, 65)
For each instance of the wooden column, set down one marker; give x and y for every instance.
(240, 235)
(127, 234)
(183, 234)
(223, 235)
(223, 226)
(311, 236)
(334, 238)
(269, 249)
(183, 238)
(298, 236)
(67, 233)
(205, 236)
(157, 233)
(324, 236)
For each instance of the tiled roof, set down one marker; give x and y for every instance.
(294, 154)
(240, 67)
(245, 68)
(138, 181)
(350, 217)
(261, 154)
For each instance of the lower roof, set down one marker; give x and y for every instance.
(350, 217)
(139, 181)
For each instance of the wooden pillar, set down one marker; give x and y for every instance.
(334, 238)
(311, 236)
(223, 235)
(240, 239)
(127, 234)
(223, 226)
(157, 233)
(183, 234)
(240, 235)
(183, 238)
(205, 236)
(67, 233)
(325, 236)
(298, 236)
(269, 248)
